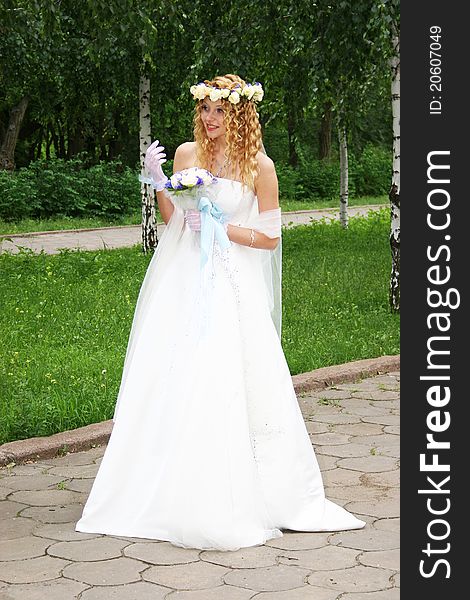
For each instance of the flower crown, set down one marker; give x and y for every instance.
(248, 91)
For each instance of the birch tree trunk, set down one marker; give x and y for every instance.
(149, 226)
(394, 194)
(7, 151)
(343, 177)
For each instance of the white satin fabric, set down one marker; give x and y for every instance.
(209, 449)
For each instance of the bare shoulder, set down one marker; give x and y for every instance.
(185, 155)
(266, 184)
(265, 164)
(186, 149)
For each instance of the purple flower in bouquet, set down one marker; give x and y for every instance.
(188, 179)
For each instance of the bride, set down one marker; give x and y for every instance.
(209, 449)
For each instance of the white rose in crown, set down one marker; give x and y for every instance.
(199, 91)
(248, 91)
(234, 97)
(215, 94)
(258, 93)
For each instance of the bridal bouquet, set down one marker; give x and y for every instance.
(189, 189)
(185, 186)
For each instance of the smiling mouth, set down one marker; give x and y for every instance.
(212, 127)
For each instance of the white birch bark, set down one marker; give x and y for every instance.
(149, 226)
(343, 177)
(394, 194)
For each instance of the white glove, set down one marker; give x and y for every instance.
(154, 159)
(193, 218)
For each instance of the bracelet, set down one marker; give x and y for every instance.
(252, 238)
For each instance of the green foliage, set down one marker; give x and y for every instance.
(66, 318)
(353, 45)
(369, 175)
(59, 187)
(290, 185)
(79, 63)
(320, 179)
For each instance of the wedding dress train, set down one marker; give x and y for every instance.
(209, 448)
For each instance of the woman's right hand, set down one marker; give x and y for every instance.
(193, 219)
(154, 159)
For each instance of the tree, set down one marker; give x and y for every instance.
(27, 59)
(344, 177)
(149, 225)
(352, 48)
(73, 103)
(82, 68)
(394, 194)
(126, 39)
(324, 141)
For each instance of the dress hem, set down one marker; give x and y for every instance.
(165, 537)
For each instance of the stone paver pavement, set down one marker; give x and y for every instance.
(354, 428)
(126, 236)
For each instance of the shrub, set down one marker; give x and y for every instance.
(369, 175)
(58, 188)
(372, 171)
(65, 188)
(290, 185)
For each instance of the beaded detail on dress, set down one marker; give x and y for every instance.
(260, 436)
(223, 258)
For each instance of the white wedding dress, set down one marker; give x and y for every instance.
(209, 449)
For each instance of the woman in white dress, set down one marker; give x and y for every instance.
(209, 448)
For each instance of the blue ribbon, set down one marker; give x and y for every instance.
(211, 229)
(212, 219)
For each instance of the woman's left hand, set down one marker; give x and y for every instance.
(154, 159)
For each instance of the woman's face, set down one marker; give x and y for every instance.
(212, 115)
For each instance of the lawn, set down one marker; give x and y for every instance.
(65, 319)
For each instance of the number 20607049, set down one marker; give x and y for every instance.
(435, 69)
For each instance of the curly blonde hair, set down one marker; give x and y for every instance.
(243, 132)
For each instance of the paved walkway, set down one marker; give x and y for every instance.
(119, 237)
(354, 428)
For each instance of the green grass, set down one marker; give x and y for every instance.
(53, 224)
(335, 293)
(65, 319)
(288, 205)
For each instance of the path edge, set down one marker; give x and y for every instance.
(97, 434)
